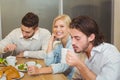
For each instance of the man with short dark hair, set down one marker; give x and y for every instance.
(27, 41)
(103, 59)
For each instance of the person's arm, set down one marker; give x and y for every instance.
(85, 71)
(7, 44)
(10, 47)
(55, 68)
(32, 54)
(73, 60)
(50, 44)
(51, 60)
(51, 57)
(33, 70)
(52, 49)
(59, 67)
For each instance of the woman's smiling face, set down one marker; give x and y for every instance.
(60, 29)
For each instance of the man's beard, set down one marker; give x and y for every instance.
(29, 36)
(83, 49)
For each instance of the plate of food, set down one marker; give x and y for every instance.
(10, 73)
(21, 67)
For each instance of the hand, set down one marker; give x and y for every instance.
(72, 59)
(33, 70)
(50, 44)
(52, 39)
(20, 54)
(10, 47)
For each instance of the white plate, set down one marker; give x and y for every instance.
(21, 75)
(3, 77)
(38, 65)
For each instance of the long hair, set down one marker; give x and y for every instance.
(88, 26)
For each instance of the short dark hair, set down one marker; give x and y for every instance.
(88, 26)
(30, 20)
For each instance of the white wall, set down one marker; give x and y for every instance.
(47, 10)
(117, 23)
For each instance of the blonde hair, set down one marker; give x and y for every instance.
(64, 18)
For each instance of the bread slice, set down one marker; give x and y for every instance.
(1, 73)
(11, 72)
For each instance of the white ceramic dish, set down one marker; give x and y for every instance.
(25, 70)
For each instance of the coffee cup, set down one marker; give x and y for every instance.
(11, 60)
(63, 55)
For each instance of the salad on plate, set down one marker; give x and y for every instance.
(22, 67)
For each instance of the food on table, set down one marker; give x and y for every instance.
(1, 73)
(22, 67)
(2, 60)
(10, 72)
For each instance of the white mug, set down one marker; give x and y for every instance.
(11, 60)
(63, 55)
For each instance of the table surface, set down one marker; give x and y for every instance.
(41, 76)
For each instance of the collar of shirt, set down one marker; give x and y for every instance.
(95, 50)
(35, 36)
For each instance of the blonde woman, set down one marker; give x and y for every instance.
(53, 57)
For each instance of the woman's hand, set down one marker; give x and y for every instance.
(52, 39)
(50, 44)
(33, 70)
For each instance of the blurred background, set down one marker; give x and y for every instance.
(102, 11)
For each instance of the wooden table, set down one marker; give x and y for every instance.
(40, 77)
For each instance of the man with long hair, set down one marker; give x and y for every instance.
(103, 59)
